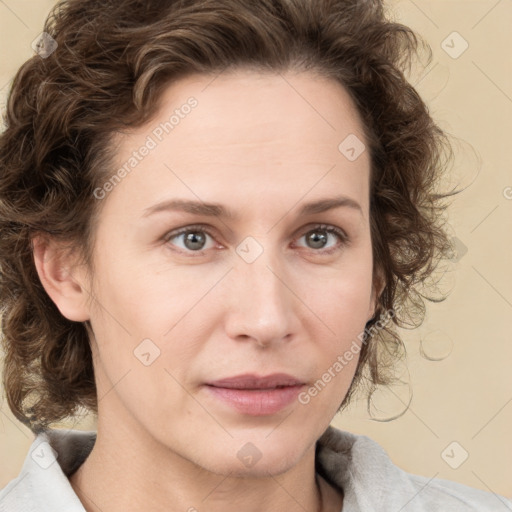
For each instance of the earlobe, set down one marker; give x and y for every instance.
(64, 286)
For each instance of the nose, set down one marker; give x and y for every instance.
(262, 305)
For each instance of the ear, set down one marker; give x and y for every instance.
(64, 283)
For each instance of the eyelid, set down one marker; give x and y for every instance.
(330, 228)
(190, 227)
(343, 237)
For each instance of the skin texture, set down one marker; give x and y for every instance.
(262, 145)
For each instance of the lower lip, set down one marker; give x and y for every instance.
(257, 402)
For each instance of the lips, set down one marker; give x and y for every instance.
(252, 381)
(253, 395)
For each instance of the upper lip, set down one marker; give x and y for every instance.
(252, 381)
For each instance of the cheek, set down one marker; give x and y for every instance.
(130, 298)
(343, 309)
(144, 323)
(343, 303)
(138, 359)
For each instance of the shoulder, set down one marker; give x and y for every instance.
(43, 484)
(440, 495)
(371, 481)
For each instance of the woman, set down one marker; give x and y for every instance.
(212, 213)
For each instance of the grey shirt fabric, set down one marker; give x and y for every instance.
(354, 463)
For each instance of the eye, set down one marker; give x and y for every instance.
(194, 238)
(319, 236)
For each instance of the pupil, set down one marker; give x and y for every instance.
(315, 239)
(195, 239)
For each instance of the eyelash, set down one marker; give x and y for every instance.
(344, 239)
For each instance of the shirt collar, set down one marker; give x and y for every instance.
(354, 463)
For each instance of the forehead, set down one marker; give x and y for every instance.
(244, 106)
(260, 132)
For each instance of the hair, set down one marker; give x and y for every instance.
(112, 62)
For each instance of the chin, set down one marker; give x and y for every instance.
(249, 460)
(261, 469)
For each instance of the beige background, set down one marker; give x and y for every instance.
(466, 396)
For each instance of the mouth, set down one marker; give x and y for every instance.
(256, 396)
(255, 382)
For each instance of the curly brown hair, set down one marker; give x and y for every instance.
(113, 61)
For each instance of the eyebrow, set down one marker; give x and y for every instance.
(218, 210)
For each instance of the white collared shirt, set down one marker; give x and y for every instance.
(354, 463)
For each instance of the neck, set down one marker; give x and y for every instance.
(125, 473)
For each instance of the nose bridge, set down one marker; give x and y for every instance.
(260, 269)
(261, 302)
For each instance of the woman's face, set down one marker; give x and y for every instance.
(266, 290)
